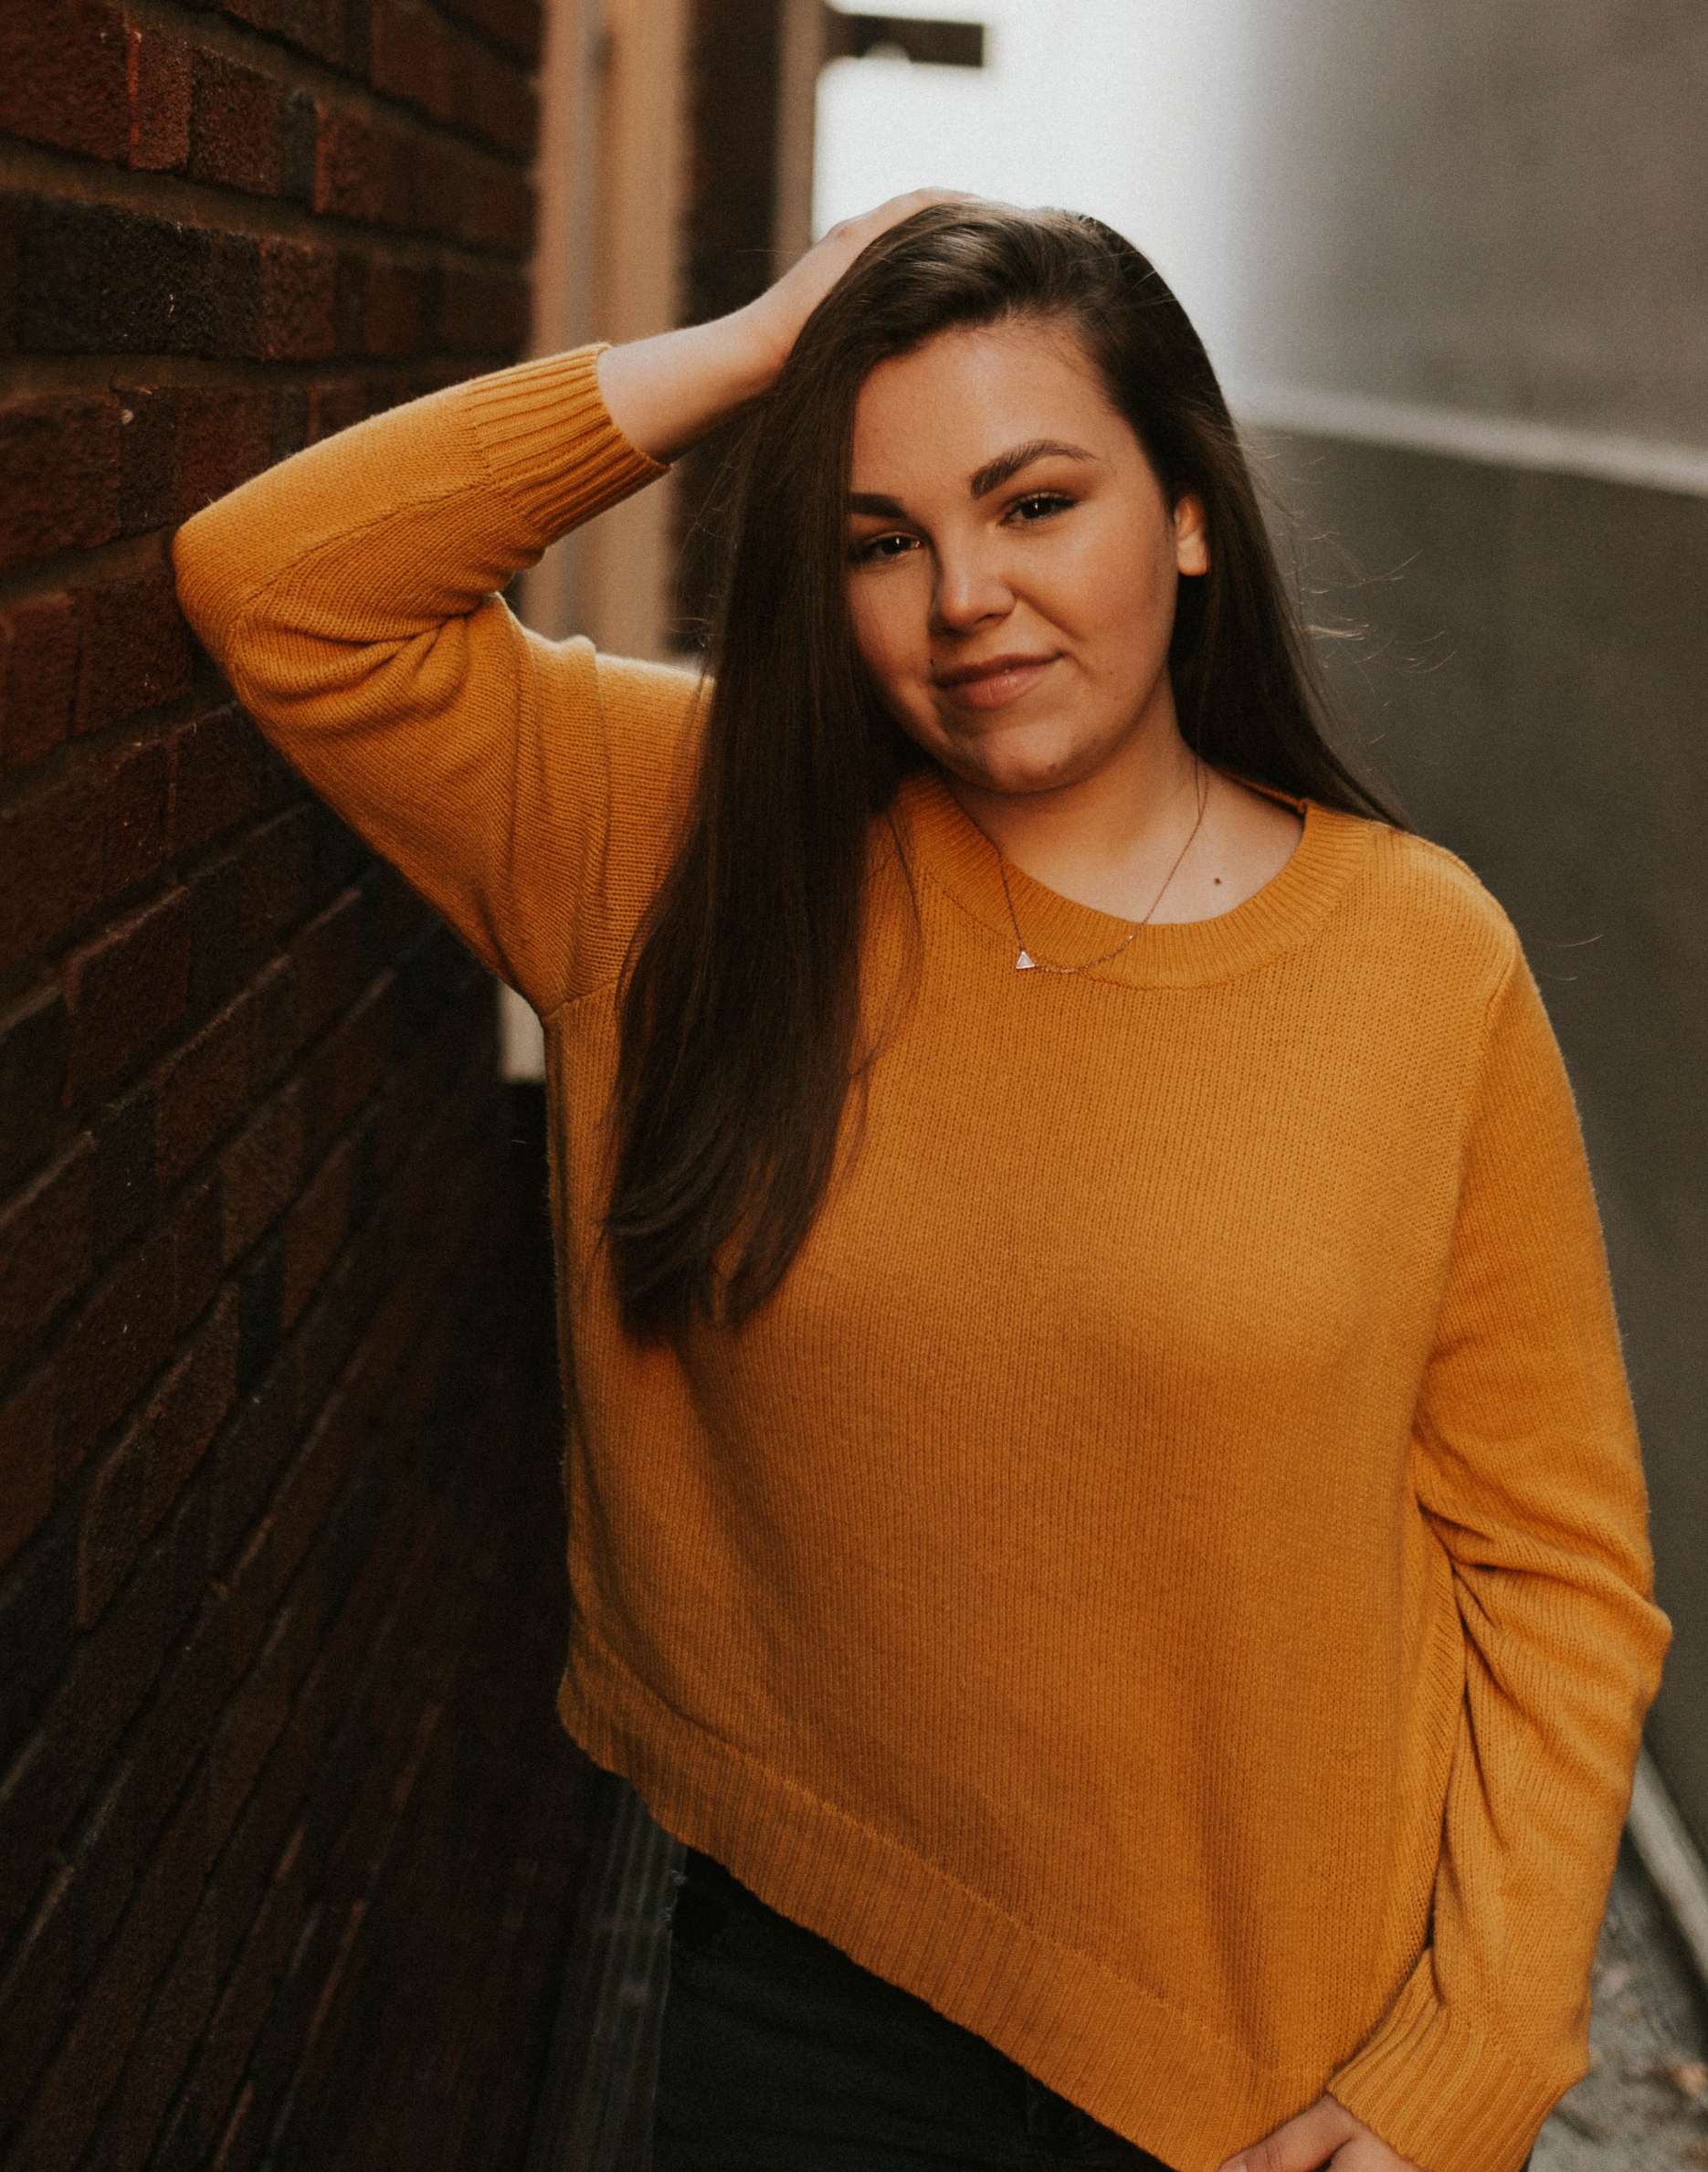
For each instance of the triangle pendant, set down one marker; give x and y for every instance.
(1023, 962)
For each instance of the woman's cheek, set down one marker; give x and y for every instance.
(882, 635)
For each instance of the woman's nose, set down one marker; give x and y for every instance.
(970, 589)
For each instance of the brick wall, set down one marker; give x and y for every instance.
(728, 227)
(268, 1430)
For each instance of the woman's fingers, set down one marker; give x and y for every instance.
(1325, 2135)
(783, 309)
(1303, 2145)
(666, 392)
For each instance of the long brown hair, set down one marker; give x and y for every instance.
(740, 1007)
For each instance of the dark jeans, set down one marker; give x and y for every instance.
(780, 2054)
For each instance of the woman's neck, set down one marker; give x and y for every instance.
(1158, 835)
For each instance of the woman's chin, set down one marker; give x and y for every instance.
(1012, 766)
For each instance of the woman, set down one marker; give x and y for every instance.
(1102, 1502)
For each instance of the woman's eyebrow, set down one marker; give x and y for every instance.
(990, 476)
(994, 473)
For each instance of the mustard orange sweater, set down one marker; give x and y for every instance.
(1165, 1580)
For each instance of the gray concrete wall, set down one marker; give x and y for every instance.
(1499, 208)
(1498, 205)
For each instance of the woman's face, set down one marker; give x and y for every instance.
(1012, 558)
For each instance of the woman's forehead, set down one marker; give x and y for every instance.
(948, 409)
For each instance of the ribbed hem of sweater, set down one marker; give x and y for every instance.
(1146, 2069)
(549, 442)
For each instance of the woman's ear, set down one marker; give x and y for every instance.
(1192, 540)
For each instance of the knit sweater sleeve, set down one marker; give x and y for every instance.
(351, 596)
(1526, 1467)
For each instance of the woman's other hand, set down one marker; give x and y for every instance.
(1323, 2136)
(665, 394)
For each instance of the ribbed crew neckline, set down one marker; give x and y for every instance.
(948, 846)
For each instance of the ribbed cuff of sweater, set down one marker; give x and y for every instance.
(549, 442)
(1439, 2093)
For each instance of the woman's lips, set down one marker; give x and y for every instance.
(993, 685)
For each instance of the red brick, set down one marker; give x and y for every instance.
(319, 26)
(503, 215)
(36, 1996)
(482, 313)
(248, 1454)
(26, 1462)
(402, 1107)
(347, 1066)
(62, 76)
(241, 2141)
(59, 454)
(397, 311)
(235, 126)
(493, 99)
(139, 1481)
(174, 1732)
(108, 1538)
(33, 1040)
(138, 796)
(37, 677)
(188, 1407)
(38, 1798)
(218, 960)
(45, 1251)
(124, 1170)
(217, 776)
(296, 291)
(327, 954)
(514, 25)
(198, 1227)
(148, 456)
(16, 213)
(315, 1229)
(259, 1861)
(224, 438)
(51, 842)
(135, 650)
(254, 1585)
(275, 865)
(158, 78)
(244, 2003)
(113, 1671)
(348, 167)
(261, 1171)
(444, 182)
(277, 1038)
(115, 1346)
(87, 2066)
(414, 57)
(124, 989)
(310, 1485)
(333, 405)
(180, 2012)
(104, 1852)
(255, 1717)
(202, 1089)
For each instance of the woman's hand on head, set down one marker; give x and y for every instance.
(667, 391)
(777, 315)
(1325, 2135)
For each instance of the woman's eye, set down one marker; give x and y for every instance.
(885, 546)
(1039, 505)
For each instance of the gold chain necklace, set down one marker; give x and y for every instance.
(1026, 962)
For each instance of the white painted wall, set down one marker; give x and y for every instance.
(1489, 208)
(1136, 110)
